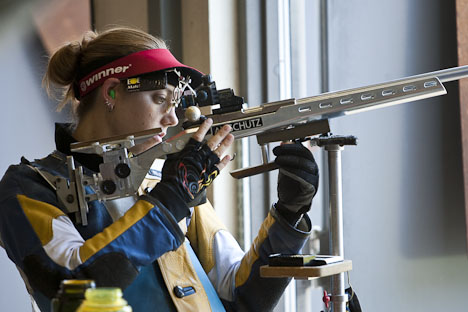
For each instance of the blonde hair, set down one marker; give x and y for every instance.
(76, 59)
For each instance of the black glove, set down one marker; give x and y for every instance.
(185, 176)
(297, 180)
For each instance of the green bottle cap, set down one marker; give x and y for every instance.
(72, 287)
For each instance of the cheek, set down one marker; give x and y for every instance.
(142, 114)
(151, 117)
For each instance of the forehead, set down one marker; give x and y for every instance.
(168, 90)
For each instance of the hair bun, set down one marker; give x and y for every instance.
(64, 63)
(87, 38)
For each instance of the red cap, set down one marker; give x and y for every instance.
(132, 65)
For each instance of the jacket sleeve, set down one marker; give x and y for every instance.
(45, 245)
(235, 274)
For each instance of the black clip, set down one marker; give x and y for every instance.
(181, 292)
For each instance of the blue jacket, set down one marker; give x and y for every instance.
(161, 264)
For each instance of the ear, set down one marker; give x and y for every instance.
(109, 90)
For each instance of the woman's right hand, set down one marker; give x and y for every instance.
(218, 143)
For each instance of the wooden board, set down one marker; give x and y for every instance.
(306, 272)
(62, 21)
(462, 45)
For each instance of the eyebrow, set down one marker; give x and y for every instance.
(166, 91)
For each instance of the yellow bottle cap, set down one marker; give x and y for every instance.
(104, 299)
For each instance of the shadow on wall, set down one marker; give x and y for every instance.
(433, 222)
(433, 218)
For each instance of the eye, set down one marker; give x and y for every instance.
(159, 99)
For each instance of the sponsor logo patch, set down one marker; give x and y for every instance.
(102, 74)
(133, 84)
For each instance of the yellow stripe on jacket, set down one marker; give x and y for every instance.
(40, 215)
(253, 254)
(99, 241)
(201, 232)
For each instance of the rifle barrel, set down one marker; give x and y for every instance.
(446, 75)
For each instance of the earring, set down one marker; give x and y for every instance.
(109, 105)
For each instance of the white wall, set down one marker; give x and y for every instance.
(224, 69)
(403, 188)
(26, 124)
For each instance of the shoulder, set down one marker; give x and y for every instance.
(22, 179)
(16, 174)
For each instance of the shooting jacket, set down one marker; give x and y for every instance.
(137, 245)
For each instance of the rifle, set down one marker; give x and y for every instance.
(294, 119)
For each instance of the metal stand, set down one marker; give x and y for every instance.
(334, 145)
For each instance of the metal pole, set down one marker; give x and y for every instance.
(265, 153)
(339, 297)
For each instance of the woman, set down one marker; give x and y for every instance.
(165, 254)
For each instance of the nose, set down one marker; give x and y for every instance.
(170, 118)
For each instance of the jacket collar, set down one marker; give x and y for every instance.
(63, 139)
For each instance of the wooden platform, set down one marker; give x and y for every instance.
(306, 272)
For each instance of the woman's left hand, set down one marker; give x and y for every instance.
(191, 170)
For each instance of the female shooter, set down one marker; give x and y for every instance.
(164, 247)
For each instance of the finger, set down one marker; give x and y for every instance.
(212, 160)
(297, 163)
(297, 175)
(224, 145)
(215, 140)
(293, 150)
(201, 132)
(226, 159)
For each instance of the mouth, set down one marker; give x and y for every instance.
(158, 138)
